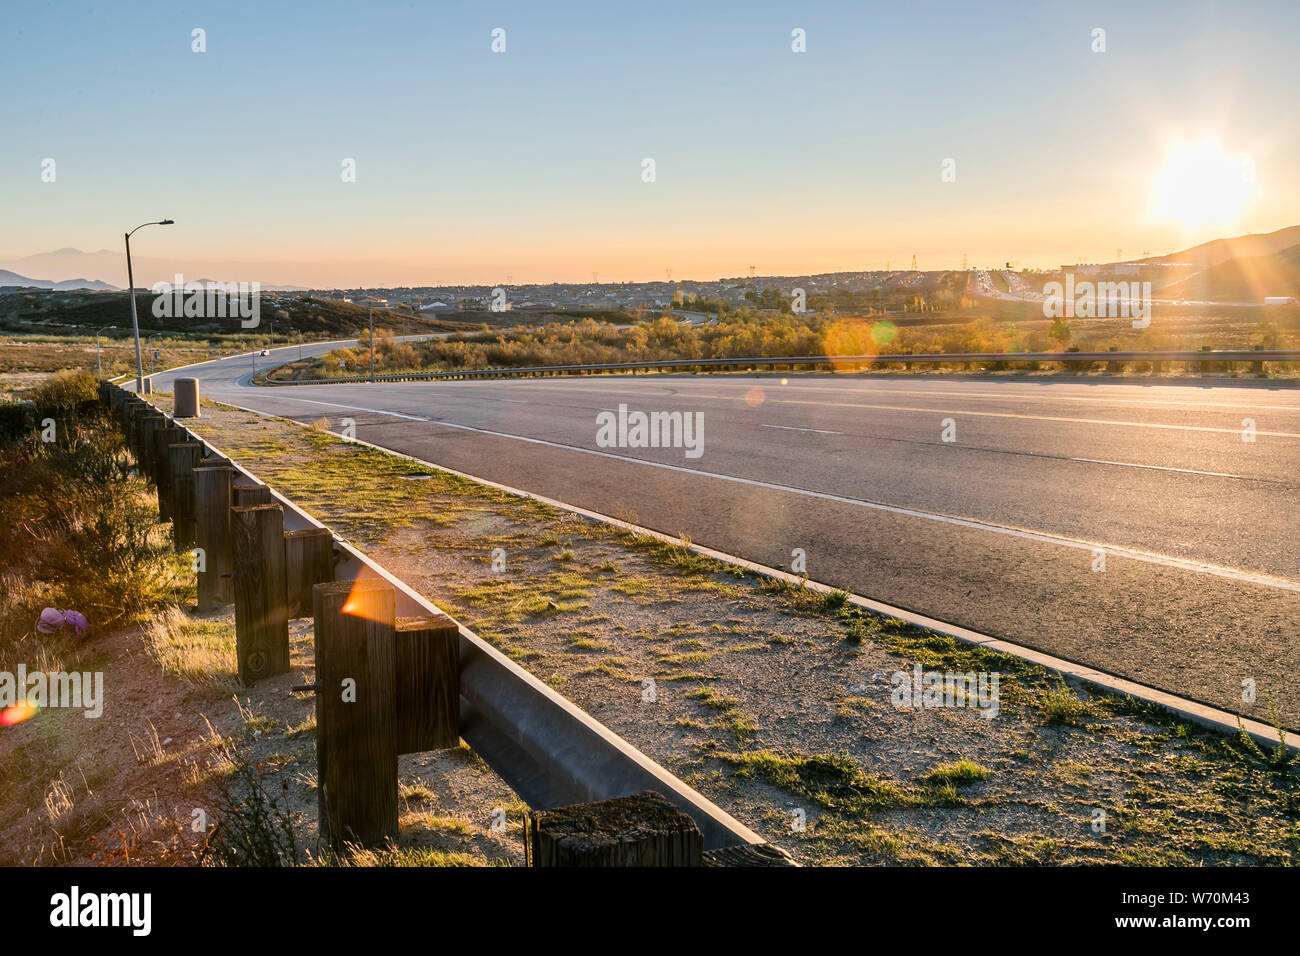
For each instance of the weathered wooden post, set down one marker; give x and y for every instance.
(135, 416)
(641, 830)
(148, 424)
(1257, 366)
(428, 683)
(308, 561)
(356, 750)
(163, 438)
(261, 620)
(212, 504)
(249, 493)
(182, 457)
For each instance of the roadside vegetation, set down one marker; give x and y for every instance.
(177, 732)
(749, 332)
(80, 532)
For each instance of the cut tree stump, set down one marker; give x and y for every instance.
(641, 830)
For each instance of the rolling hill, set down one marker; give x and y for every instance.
(1243, 279)
(1216, 251)
(61, 312)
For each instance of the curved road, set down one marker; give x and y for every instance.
(1002, 529)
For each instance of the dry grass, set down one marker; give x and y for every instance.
(198, 652)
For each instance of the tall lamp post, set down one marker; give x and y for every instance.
(99, 366)
(130, 291)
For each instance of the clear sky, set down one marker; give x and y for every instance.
(472, 166)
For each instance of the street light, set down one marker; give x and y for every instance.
(130, 292)
(99, 366)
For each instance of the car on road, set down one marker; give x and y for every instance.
(265, 352)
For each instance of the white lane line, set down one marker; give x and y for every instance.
(1185, 471)
(1078, 543)
(793, 428)
(512, 401)
(938, 391)
(820, 431)
(688, 394)
(1032, 396)
(967, 411)
(355, 408)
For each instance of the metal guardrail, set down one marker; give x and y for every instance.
(1196, 357)
(550, 752)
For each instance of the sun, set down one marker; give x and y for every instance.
(1201, 185)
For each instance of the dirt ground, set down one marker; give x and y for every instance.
(148, 780)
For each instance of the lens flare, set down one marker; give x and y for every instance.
(16, 714)
(359, 603)
(754, 397)
(849, 337)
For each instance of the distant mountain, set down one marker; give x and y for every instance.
(1242, 247)
(105, 262)
(94, 285)
(73, 262)
(66, 285)
(13, 278)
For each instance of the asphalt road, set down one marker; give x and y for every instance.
(999, 530)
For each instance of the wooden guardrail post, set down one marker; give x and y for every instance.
(160, 466)
(261, 619)
(428, 684)
(148, 424)
(248, 494)
(182, 457)
(356, 750)
(308, 561)
(212, 504)
(641, 830)
(1257, 366)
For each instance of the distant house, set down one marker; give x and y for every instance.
(370, 302)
